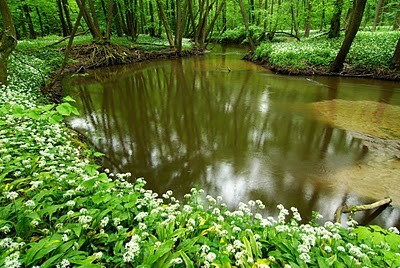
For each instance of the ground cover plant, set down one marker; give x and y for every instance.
(371, 51)
(59, 209)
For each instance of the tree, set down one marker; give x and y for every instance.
(354, 24)
(396, 56)
(377, 14)
(308, 23)
(334, 31)
(246, 25)
(8, 39)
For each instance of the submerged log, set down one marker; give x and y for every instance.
(354, 208)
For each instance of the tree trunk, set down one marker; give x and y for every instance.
(294, 19)
(142, 17)
(164, 19)
(8, 39)
(93, 27)
(152, 30)
(65, 5)
(322, 24)
(64, 28)
(377, 14)
(178, 26)
(95, 20)
(334, 31)
(117, 20)
(246, 25)
(109, 20)
(40, 21)
(396, 56)
(308, 23)
(355, 21)
(396, 23)
(27, 12)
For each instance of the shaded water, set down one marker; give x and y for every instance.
(238, 131)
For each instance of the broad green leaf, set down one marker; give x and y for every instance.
(186, 259)
(68, 99)
(42, 248)
(160, 252)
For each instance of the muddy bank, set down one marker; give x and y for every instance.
(91, 56)
(348, 71)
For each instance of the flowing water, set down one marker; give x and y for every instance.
(239, 131)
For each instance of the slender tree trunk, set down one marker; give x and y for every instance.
(65, 5)
(93, 27)
(27, 11)
(334, 31)
(294, 19)
(117, 19)
(8, 39)
(396, 56)
(377, 14)
(252, 11)
(67, 52)
(322, 24)
(164, 19)
(355, 21)
(64, 28)
(124, 23)
(308, 22)
(96, 23)
(40, 21)
(246, 25)
(109, 19)
(142, 16)
(216, 14)
(103, 7)
(396, 24)
(152, 30)
(22, 24)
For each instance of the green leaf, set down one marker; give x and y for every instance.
(91, 169)
(160, 252)
(52, 261)
(55, 118)
(98, 154)
(186, 259)
(68, 99)
(67, 109)
(34, 114)
(42, 248)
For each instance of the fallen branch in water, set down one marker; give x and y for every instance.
(354, 208)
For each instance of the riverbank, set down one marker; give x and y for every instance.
(370, 56)
(57, 207)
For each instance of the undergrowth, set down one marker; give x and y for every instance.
(59, 209)
(369, 51)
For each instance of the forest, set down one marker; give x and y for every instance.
(60, 207)
(260, 22)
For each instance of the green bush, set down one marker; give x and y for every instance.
(370, 50)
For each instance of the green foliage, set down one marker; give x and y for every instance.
(58, 209)
(369, 51)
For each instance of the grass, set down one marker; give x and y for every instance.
(59, 209)
(370, 51)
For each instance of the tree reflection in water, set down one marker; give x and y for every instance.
(245, 134)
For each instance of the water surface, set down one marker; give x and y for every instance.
(239, 131)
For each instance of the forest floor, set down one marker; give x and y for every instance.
(370, 56)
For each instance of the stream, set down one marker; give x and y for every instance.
(239, 131)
